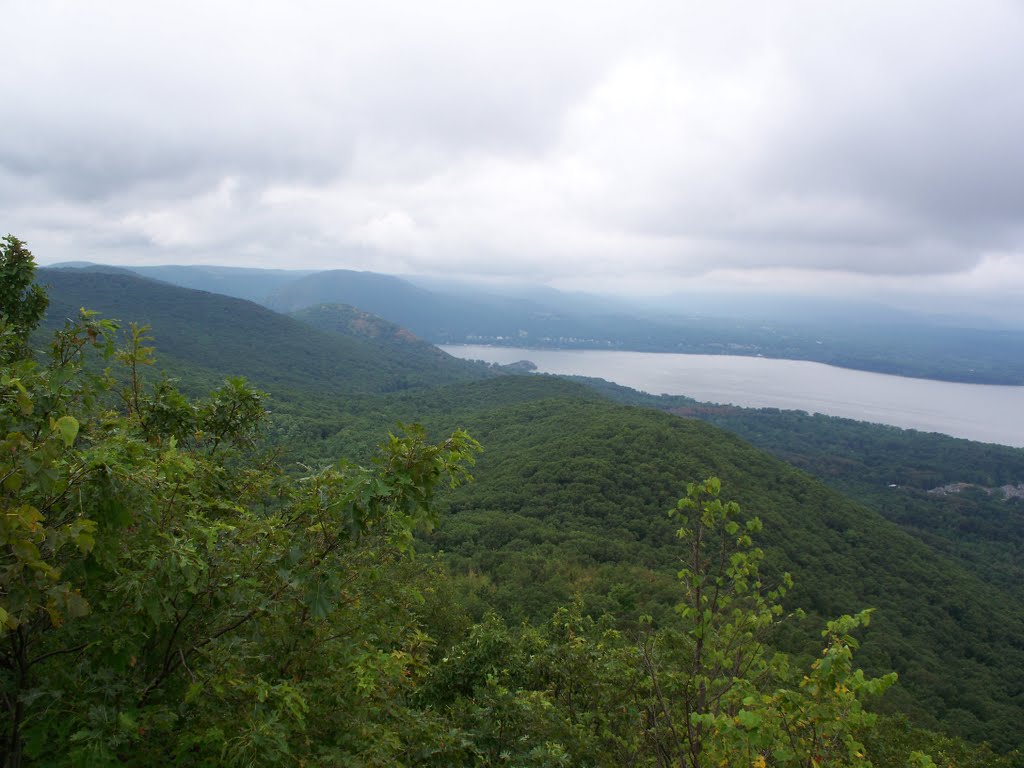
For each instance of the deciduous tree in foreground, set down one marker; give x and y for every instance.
(169, 595)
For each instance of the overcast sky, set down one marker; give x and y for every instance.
(868, 147)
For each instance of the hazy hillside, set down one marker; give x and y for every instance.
(435, 316)
(232, 336)
(251, 284)
(368, 291)
(850, 334)
(358, 324)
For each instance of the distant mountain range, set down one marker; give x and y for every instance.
(848, 334)
(216, 333)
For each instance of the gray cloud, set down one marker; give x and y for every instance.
(640, 145)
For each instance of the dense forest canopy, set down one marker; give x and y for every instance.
(189, 579)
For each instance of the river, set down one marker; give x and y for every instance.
(991, 414)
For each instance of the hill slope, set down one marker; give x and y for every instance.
(222, 335)
(241, 283)
(570, 499)
(572, 496)
(571, 493)
(384, 335)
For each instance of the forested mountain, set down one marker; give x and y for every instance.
(221, 335)
(346, 320)
(963, 498)
(568, 500)
(850, 334)
(568, 505)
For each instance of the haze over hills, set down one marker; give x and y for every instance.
(251, 284)
(571, 490)
(212, 332)
(861, 335)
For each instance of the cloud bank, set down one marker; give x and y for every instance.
(646, 146)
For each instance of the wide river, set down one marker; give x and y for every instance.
(992, 414)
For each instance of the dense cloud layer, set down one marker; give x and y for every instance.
(639, 146)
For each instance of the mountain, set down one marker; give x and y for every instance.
(436, 317)
(861, 335)
(239, 282)
(91, 266)
(369, 291)
(856, 335)
(350, 321)
(383, 335)
(197, 330)
(571, 491)
(962, 498)
(570, 499)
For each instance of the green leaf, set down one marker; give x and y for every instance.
(13, 482)
(28, 516)
(25, 550)
(24, 402)
(68, 428)
(749, 720)
(126, 722)
(319, 603)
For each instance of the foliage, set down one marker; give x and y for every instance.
(567, 504)
(167, 595)
(893, 738)
(895, 471)
(715, 692)
(189, 603)
(950, 606)
(22, 303)
(701, 689)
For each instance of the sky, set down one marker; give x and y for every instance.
(827, 146)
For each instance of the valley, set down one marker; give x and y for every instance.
(568, 506)
(850, 334)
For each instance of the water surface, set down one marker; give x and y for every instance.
(990, 413)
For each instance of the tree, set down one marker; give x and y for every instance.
(22, 302)
(715, 692)
(701, 689)
(168, 594)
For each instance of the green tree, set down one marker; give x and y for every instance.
(169, 595)
(715, 693)
(22, 302)
(701, 689)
